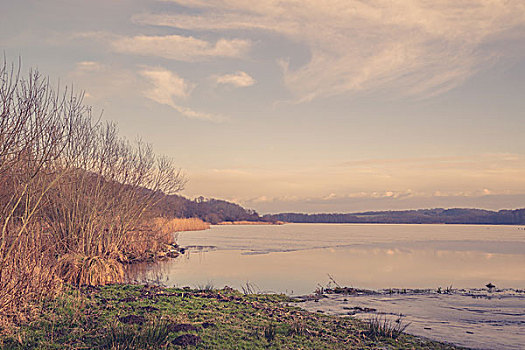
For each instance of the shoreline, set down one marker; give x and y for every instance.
(467, 317)
(143, 316)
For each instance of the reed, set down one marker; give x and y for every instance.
(181, 224)
(27, 277)
(82, 270)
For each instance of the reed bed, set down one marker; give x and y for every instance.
(180, 224)
(27, 277)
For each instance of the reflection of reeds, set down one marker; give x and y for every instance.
(181, 224)
(147, 273)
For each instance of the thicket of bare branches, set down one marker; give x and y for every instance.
(74, 195)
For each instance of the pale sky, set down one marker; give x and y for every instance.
(302, 105)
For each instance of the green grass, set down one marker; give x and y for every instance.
(94, 318)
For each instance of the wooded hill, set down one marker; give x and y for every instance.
(421, 216)
(208, 209)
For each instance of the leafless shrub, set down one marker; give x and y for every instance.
(75, 197)
(27, 276)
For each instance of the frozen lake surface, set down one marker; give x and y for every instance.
(471, 318)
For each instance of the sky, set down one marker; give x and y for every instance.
(301, 105)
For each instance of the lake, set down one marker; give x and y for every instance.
(298, 258)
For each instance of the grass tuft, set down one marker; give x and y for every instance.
(270, 332)
(120, 336)
(249, 288)
(383, 327)
(208, 287)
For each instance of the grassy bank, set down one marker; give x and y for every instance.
(146, 317)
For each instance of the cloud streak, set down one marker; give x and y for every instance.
(408, 47)
(238, 79)
(166, 86)
(180, 48)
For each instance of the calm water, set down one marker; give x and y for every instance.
(297, 258)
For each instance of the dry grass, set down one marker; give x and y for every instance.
(180, 224)
(27, 277)
(81, 270)
(144, 244)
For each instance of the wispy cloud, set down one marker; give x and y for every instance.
(181, 48)
(89, 66)
(238, 79)
(419, 48)
(166, 86)
(413, 160)
(486, 164)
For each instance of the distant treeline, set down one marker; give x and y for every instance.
(208, 209)
(422, 216)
